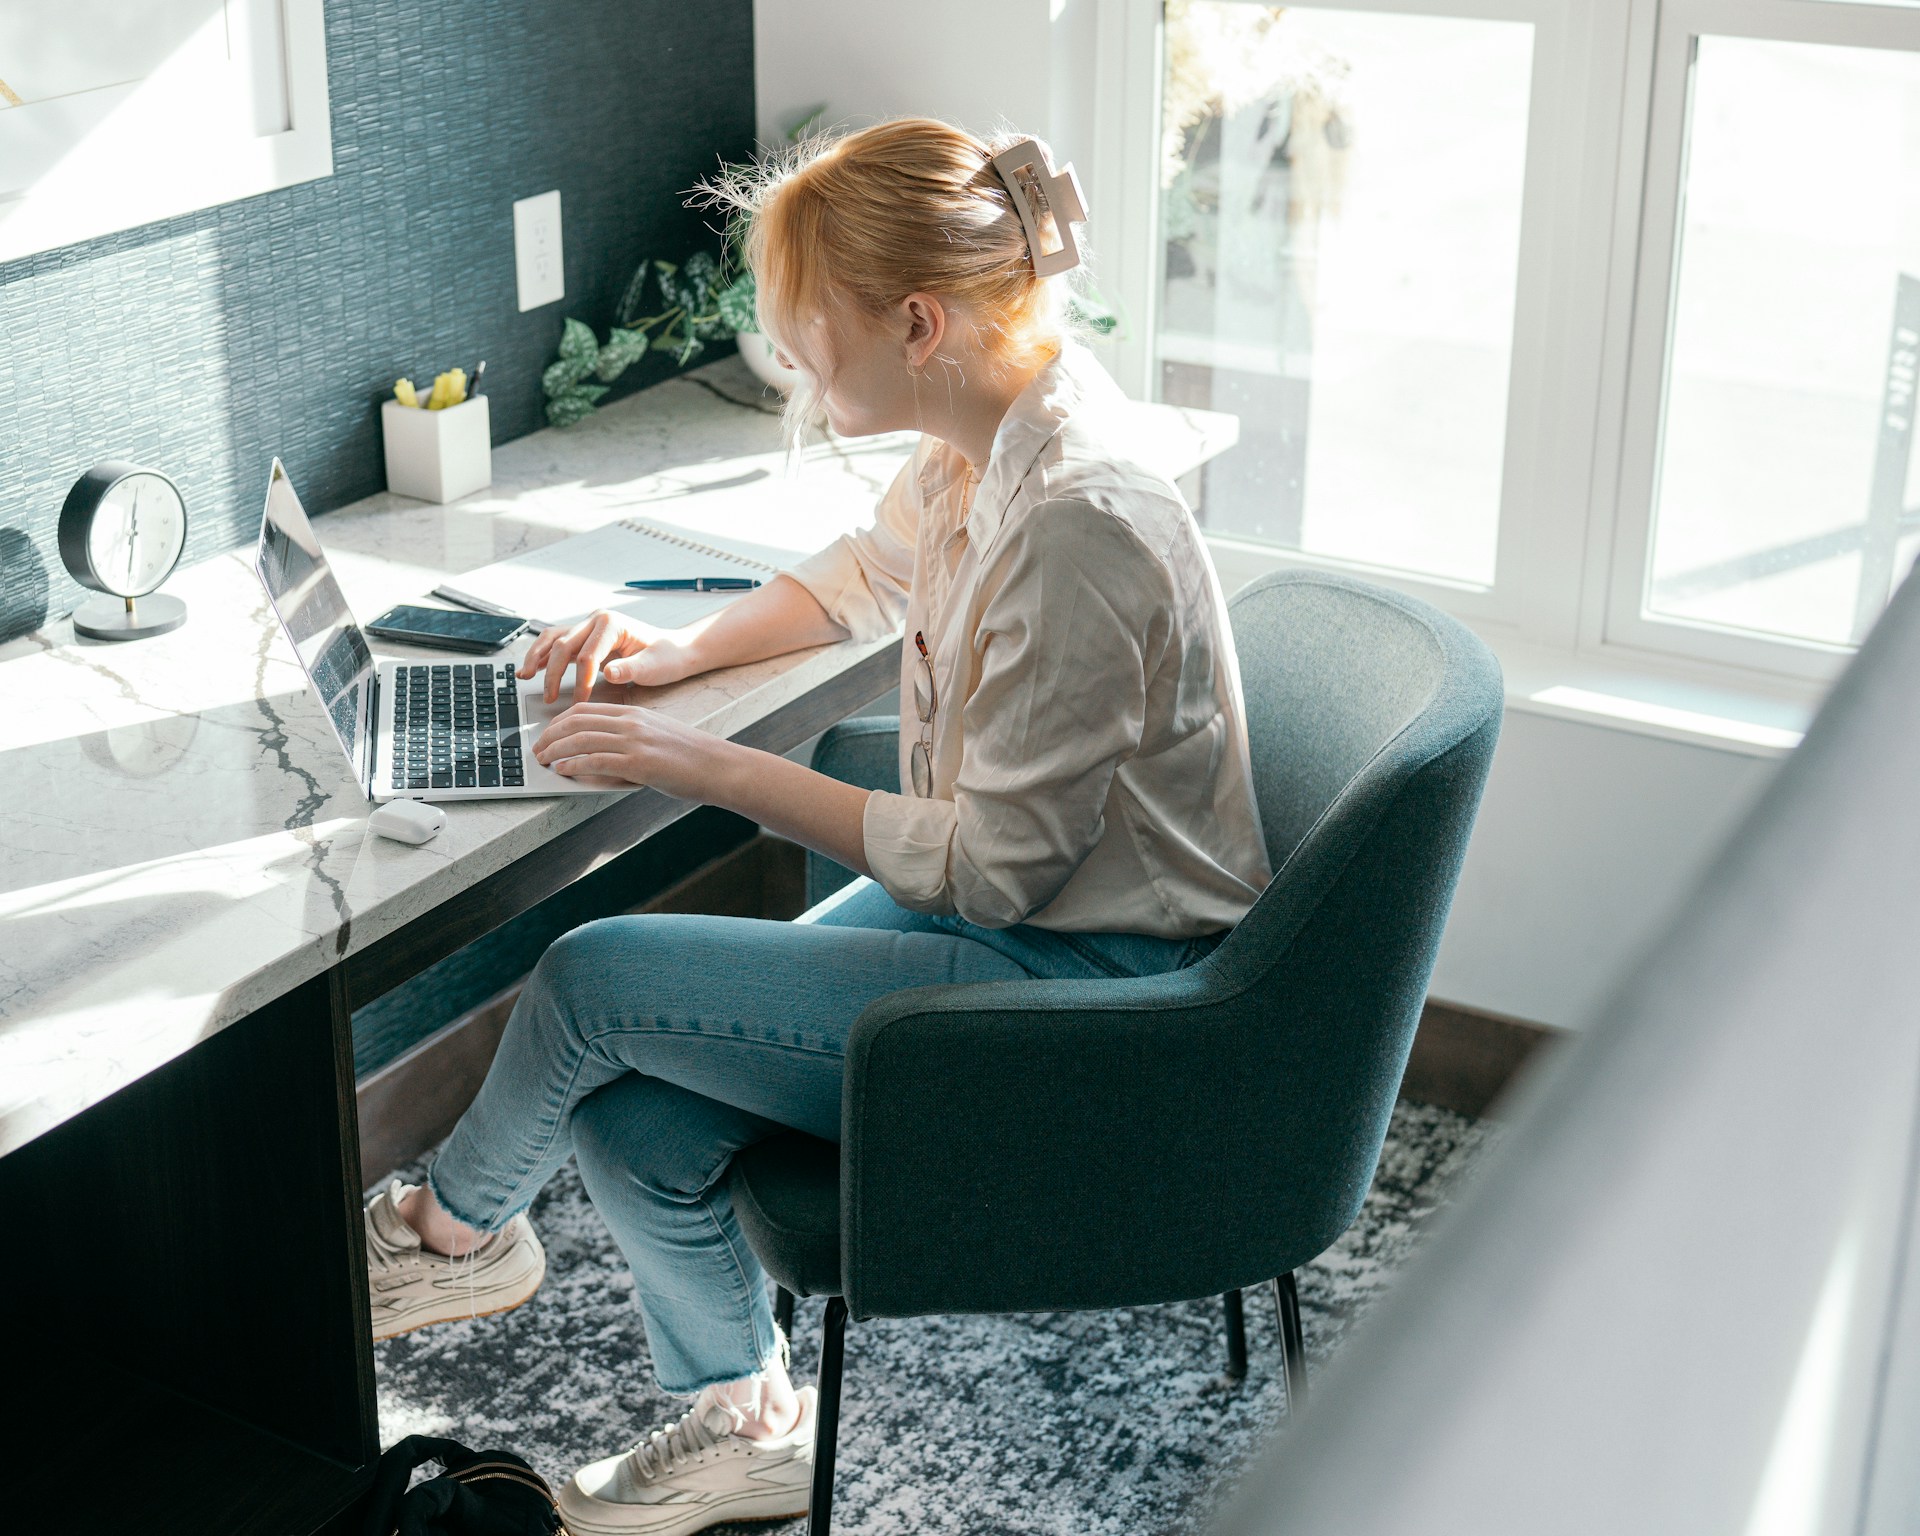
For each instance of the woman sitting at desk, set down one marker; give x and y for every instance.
(1076, 799)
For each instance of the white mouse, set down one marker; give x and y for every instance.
(407, 821)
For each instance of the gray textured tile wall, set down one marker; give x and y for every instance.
(208, 343)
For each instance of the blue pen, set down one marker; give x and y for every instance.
(697, 584)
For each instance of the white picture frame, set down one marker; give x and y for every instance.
(113, 116)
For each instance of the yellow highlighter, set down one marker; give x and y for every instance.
(448, 389)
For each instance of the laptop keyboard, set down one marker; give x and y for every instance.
(456, 726)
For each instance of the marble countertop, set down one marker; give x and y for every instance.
(183, 841)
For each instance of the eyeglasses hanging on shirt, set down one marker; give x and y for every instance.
(926, 699)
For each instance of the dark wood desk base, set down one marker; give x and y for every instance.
(185, 1291)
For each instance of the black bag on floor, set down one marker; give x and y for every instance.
(478, 1493)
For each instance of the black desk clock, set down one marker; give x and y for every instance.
(121, 532)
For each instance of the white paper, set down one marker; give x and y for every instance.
(562, 583)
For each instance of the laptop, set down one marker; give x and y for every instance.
(441, 729)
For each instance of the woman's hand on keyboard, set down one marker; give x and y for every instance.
(606, 644)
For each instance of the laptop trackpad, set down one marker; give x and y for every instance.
(535, 715)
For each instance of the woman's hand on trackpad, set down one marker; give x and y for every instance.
(632, 744)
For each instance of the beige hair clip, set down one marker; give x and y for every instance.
(1049, 203)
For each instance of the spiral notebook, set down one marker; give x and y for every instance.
(561, 583)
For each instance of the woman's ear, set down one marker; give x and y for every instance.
(926, 326)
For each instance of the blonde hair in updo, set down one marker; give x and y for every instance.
(908, 206)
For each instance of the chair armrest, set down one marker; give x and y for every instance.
(1010, 1146)
(864, 751)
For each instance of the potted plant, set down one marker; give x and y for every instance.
(696, 306)
(699, 302)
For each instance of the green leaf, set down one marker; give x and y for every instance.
(562, 376)
(690, 287)
(806, 123)
(679, 340)
(1089, 312)
(568, 410)
(577, 344)
(623, 349)
(700, 273)
(576, 404)
(628, 312)
(735, 304)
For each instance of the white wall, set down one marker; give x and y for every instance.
(1588, 838)
(982, 63)
(1589, 834)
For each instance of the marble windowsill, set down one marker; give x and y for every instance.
(183, 842)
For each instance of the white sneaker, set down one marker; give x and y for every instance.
(410, 1287)
(695, 1473)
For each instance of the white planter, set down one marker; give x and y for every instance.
(438, 455)
(758, 352)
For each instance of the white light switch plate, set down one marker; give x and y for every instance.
(536, 251)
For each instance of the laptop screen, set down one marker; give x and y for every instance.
(314, 613)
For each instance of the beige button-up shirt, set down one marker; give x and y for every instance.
(1090, 767)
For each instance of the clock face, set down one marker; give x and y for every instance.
(136, 534)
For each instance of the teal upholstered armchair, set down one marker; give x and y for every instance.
(979, 1169)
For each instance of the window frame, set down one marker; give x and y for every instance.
(1618, 619)
(204, 171)
(1524, 540)
(1592, 315)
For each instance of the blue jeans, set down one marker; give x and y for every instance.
(653, 1048)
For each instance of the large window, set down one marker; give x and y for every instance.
(1597, 322)
(1772, 480)
(1340, 212)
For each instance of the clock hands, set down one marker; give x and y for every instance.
(133, 532)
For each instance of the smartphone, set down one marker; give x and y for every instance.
(447, 629)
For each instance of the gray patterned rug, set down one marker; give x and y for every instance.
(1095, 1423)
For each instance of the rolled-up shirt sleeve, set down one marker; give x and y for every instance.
(862, 578)
(1069, 639)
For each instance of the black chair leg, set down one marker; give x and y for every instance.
(1293, 1348)
(1236, 1337)
(833, 1350)
(783, 1310)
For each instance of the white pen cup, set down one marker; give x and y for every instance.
(437, 455)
